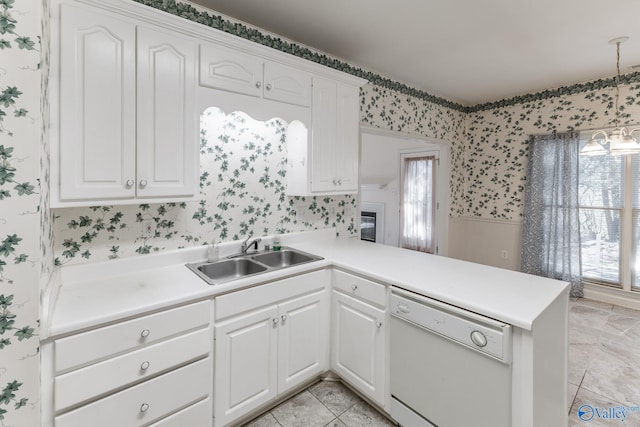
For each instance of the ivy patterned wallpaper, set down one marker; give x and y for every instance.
(496, 152)
(25, 233)
(242, 181)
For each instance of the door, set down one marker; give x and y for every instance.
(286, 84)
(97, 107)
(167, 143)
(246, 354)
(358, 332)
(303, 340)
(418, 203)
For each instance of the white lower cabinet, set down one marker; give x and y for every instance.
(146, 402)
(263, 352)
(358, 345)
(152, 369)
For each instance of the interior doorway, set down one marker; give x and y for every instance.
(381, 156)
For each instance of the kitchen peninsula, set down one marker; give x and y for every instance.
(98, 305)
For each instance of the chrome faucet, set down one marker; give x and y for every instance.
(244, 247)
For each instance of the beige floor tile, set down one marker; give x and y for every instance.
(334, 395)
(361, 415)
(302, 410)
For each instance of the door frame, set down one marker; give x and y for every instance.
(443, 177)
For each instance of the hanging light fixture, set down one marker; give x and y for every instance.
(620, 140)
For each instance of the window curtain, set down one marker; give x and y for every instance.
(417, 207)
(551, 227)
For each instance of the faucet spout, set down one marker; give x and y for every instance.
(244, 248)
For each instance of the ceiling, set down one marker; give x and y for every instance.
(466, 51)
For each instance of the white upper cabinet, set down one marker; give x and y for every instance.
(128, 125)
(328, 163)
(235, 71)
(97, 106)
(167, 118)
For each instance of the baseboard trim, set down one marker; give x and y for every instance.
(612, 296)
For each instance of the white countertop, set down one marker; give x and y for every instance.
(86, 295)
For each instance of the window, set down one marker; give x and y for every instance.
(610, 219)
(417, 203)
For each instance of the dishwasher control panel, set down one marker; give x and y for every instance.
(473, 330)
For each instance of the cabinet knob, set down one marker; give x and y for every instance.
(275, 321)
(258, 84)
(354, 287)
(269, 86)
(144, 407)
(378, 325)
(143, 183)
(145, 365)
(340, 182)
(145, 333)
(283, 317)
(130, 183)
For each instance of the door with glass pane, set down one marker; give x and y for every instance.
(418, 201)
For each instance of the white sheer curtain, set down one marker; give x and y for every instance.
(417, 204)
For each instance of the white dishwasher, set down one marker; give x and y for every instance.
(449, 367)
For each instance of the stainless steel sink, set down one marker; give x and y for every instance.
(283, 258)
(239, 266)
(230, 269)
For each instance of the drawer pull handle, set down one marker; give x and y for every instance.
(143, 183)
(354, 288)
(378, 325)
(144, 407)
(130, 183)
(258, 84)
(269, 86)
(145, 365)
(145, 333)
(283, 317)
(275, 321)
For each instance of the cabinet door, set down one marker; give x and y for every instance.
(323, 134)
(335, 129)
(287, 84)
(223, 68)
(167, 162)
(245, 364)
(345, 150)
(303, 340)
(358, 337)
(97, 106)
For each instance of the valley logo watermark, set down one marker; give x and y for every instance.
(618, 413)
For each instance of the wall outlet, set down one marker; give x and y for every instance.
(148, 228)
(504, 254)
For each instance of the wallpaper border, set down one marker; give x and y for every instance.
(217, 22)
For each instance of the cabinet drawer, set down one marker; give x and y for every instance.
(78, 350)
(93, 380)
(146, 402)
(198, 414)
(260, 296)
(360, 288)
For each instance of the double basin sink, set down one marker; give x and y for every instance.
(241, 266)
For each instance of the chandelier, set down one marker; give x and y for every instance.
(620, 140)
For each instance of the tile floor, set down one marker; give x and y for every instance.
(326, 403)
(604, 361)
(604, 371)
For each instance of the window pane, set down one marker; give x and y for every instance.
(601, 181)
(635, 251)
(635, 167)
(600, 249)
